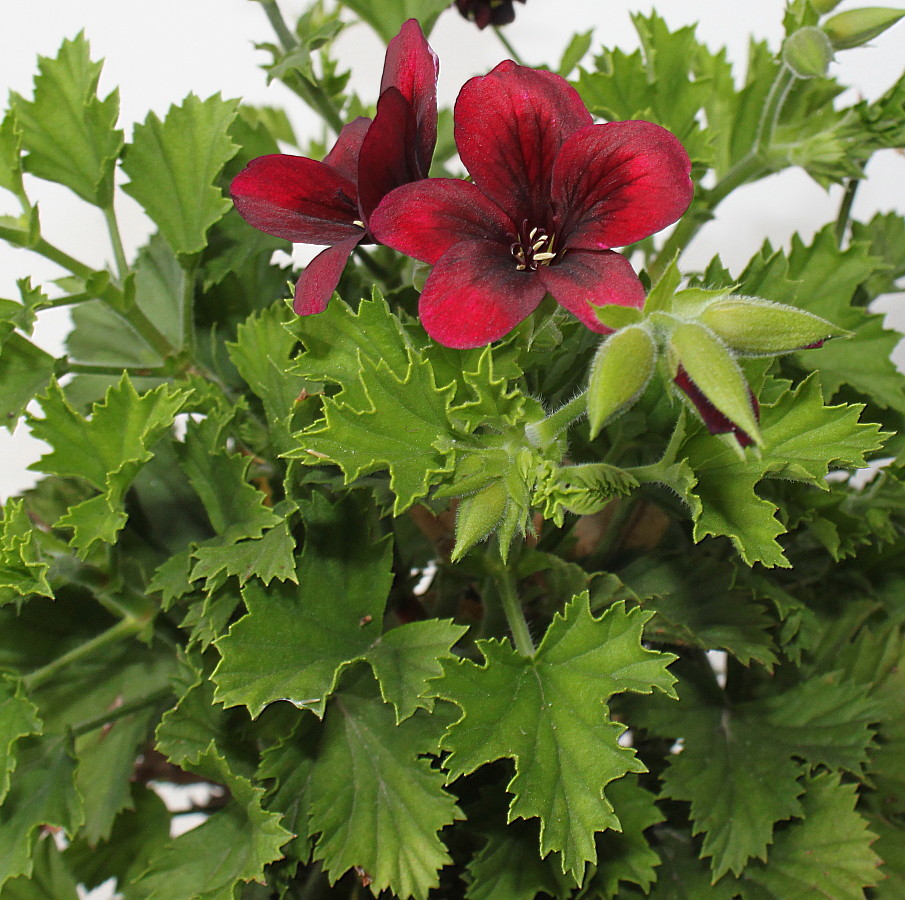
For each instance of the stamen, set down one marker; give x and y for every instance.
(359, 223)
(544, 257)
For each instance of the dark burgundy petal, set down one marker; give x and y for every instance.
(296, 198)
(583, 277)
(388, 157)
(475, 295)
(620, 182)
(343, 158)
(318, 281)
(715, 421)
(509, 127)
(411, 66)
(427, 218)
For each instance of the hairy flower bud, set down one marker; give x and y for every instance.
(479, 514)
(855, 27)
(619, 374)
(708, 375)
(756, 327)
(808, 52)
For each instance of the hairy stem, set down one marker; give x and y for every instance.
(545, 432)
(515, 615)
(845, 210)
(120, 712)
(119, 253)
(64, 366)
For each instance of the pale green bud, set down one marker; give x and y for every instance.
(713, 371)
(756, 327)
(619, 374)
(478, 515)
(808, 52)
(821, 7)
(855, 27)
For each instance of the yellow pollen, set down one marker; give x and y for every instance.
(359, 223)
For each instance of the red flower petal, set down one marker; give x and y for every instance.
(619, 183)
(319, 278)
(296, 198)
(582, 278)
(343, 158)
(509, 127)
(411, 66)
(427, 218)
(475, 295)
(716, 422)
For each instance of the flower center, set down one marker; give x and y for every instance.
(533, 248)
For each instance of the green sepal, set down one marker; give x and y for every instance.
(615, 316)
(659, 298)
(808, 52)
(755, 327)
(584, 489)
(620, 372)
(710, 366)
(856, 27)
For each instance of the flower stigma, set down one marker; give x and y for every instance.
(534, 250)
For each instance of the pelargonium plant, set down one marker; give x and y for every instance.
(499, 552)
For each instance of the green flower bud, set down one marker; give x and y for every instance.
(619, 374)
(479, 515)
(858, 26)
(808, 52)
(707, 373)
(756, 327)
(821, 7)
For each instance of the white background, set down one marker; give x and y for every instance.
(158, 52)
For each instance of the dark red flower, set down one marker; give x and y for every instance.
(330, 202)
(716, 422)
(487, 12)
(552, 194)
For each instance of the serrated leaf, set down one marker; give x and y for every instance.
(232, 846)
(23, 571)
(41, 793)
(538, 711)
(107, 450)
(295, 641)
(826, 854)
(740, 765)
(173, 166)
(802, 439)
(50, 878)
(268, 557)
(11, 154)
(69, 132)
(483, 397)
(18, 719)
(387, 17)
(395, 795)
(25, 370)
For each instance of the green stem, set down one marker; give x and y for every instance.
(188, 307)
(284, 35)
(119, 253)
(120, 712)
(113, 635)
(845, 210)
(776, 99)
(545, 432)
(64, 366)
(515, 615)
(513, 53)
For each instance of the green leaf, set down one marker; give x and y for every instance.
(41, 793)
(68, 130)
(826, 854)
(11, 155)
(232, 846)
(548, 714)
(802, 439)
(574, 53)
(173, 166)
(390, 415)
(396, 794)
(22, 569)
(25, 370)
(106, 450)
(387, 17)
(740, 766)
(262, 353)
(50, 878)
(18, 719)
(295, 641)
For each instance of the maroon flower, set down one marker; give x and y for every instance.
(487, 12)
(715, 421)
(552, 193)
(330, 202)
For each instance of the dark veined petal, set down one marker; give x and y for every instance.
(475, 295)
(425, 219)
(343, 158)
(296, 198)
(509, 127)
(583, 277)
(620, 182)
(319, 278)
(716, 422)
(411, 66)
